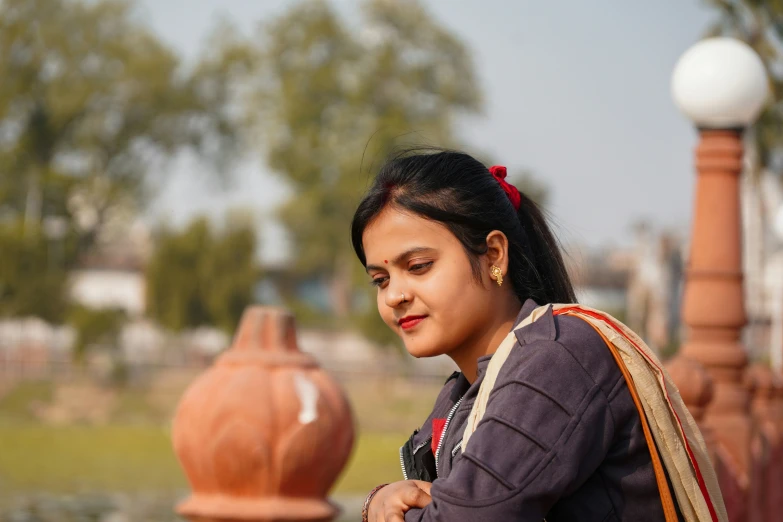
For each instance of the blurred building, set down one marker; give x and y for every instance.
(600, 278)
(640, 286)
(105, 281)
(655, 288)
(762, 200)
(111, 275)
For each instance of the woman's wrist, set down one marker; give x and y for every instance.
(366, 507)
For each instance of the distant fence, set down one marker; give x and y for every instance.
(34, 364)
(33, 349)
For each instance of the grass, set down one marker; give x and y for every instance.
(16, 405)
(131, 451)
(81, 458)
(134, 407)
(35, 458)
(375, 460)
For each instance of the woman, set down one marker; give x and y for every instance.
(460, 259)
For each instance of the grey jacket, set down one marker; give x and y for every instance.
(561, 438)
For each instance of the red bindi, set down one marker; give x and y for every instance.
(385, 261)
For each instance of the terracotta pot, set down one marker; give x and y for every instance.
(264, 433)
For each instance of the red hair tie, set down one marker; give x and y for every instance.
(499, 173)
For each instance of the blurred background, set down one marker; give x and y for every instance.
(164, 164)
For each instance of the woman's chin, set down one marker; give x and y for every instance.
(421, 351)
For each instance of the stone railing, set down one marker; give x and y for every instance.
(750, 476)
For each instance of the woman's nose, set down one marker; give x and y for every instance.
(395, 297)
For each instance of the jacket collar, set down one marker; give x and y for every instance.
(543, 329)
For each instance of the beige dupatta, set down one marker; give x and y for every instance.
(665, 419)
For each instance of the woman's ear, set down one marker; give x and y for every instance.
(497, 251)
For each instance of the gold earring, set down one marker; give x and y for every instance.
(495, 271)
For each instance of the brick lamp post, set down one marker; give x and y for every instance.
(721, 85)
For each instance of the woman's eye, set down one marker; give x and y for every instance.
(379, 281)
(419, 267)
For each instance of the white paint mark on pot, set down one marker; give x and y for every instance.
(308, 398)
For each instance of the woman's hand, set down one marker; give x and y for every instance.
(391, 502)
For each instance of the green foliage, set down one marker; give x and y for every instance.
(760, 25)
(309, 316)
(230, 274)
(32, 277)
(327, 90)
(173, 276)
(200, 276)
(91, 100)
(16, 404)
(94, 327)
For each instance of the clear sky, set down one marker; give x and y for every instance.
(577, 92)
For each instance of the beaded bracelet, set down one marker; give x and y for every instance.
(366, 507)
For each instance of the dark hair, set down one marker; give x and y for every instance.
(458, 191)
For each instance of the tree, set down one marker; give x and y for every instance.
(200, 276)
(95, 327)
(325, 93)
(760, 25)
(32, 279)
(91, 101)
(230, 273)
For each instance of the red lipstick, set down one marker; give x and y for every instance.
(409, 321)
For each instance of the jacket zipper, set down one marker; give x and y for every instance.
(402, 464)
(456, 448)
(402, 460)
(443, 435)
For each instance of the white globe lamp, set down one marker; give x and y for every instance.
(720, 83)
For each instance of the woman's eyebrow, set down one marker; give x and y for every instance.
(401, 257)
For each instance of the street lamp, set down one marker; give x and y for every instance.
(720, 84)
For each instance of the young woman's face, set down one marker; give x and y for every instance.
(427, 291)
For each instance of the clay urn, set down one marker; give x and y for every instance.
(263, 434)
